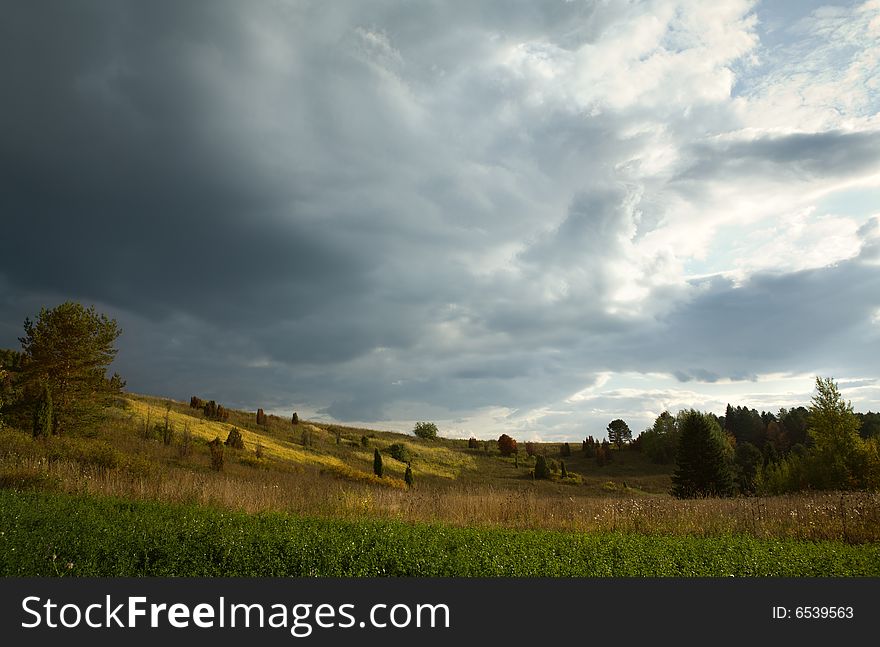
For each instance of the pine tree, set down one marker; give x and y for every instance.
(562, 471)
(377, 463)
(294, 419)
(43, 414)
(408, 475)
(70, 349)
(702, 464)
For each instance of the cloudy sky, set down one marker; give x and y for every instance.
(519, 216)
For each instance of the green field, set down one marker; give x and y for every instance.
(58, 534)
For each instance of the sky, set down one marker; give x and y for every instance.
(523, 217)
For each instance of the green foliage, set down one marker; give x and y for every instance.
(660, 442)
(702, 464)
(542, 469)
(506, 445)
(426, 430)
(216, 449)
(105, 537)
(618, 433)
(43, 414)
(69, 349)
(408, 476)
(399, 451)
(234, 439)
(748, 460)
(377, 463)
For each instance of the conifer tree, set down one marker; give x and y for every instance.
(702, 464)
(562, 471)
(542, 469)
(408, 475)
(377, 463)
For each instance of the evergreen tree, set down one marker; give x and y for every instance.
(565, 450)
(542, 469)
(69, 349)
(618, 432)
(43, 414)
(408, 475)
(702, 464)
(294, 419)
(562, 471)
(234, 439)
(377, 463)
(216, 449)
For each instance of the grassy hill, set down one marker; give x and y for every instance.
(324, 471)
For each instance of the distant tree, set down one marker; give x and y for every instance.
(531, 449)
(660, 442)
(542, 470)
(408, 476)
(606, 448)
(702, 464)
(261, 418)
(69, 349)
(196, 403)
(306, 438)
(565, 450)
(214, 411)
(562, 471)
(748, 461)
(473, 443)
(258, 450)
(234, 439)
(506, 445)
(294, 419)
(588, 447)
(601, 453)
(377, 463)
(618, 433)
(365, 442)
(216, 449)
(426, 430)
(43, 414)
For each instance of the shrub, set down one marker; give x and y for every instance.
(196, 403)
(216, 448)
(398, 451)
(365, 442)
(473, 443)
(262, 420)
(542, 470)
(506, 445)
(234, 439)
(408, 476)
(258, 450)
(531, 449)
(565, 450)
(425, 430)
(294, 419)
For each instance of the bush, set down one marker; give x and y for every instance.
(216, 448)
(506, 445)
(565, 450)
(542, 470)
(184, 449)
(234, 439)
(294, 419)
(399, 451)
(531, 449)
(365, 442)
(473, 443)
(426, 430)
(408, 476)
(262, 419)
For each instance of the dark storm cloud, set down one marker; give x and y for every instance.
(378, 208)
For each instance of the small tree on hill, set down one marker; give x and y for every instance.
(69, 349)
(196, 403)
(261, 418)
(531, 449)
(365, 442)
(565, 450)
(426, 430)
(473, 443)
(216, 449)
(563, 473)
(377, 463)
(234, 439)
(408, 476)
(542, 469)
(506, 445)
(294, 419)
